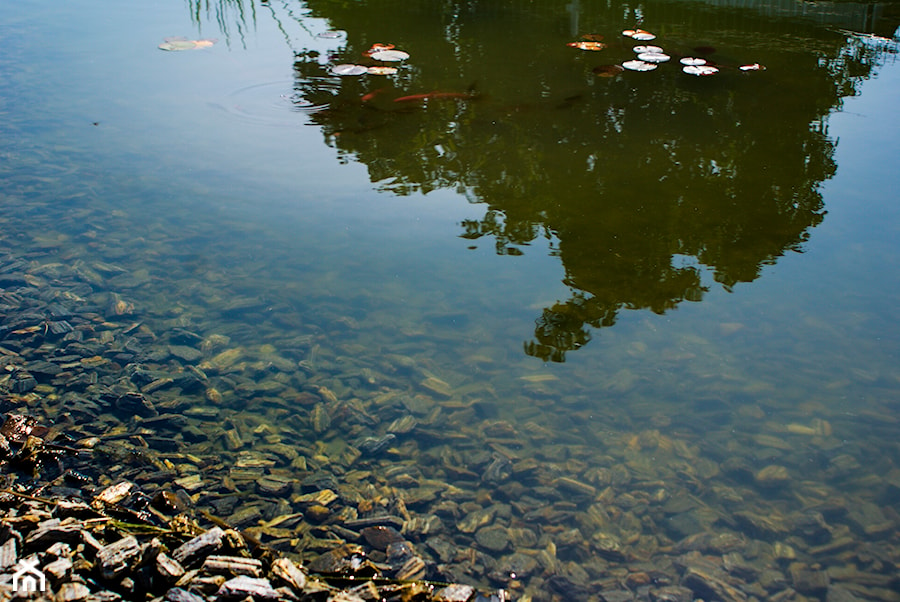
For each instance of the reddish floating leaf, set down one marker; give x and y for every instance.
(639, 34)
(587, 45)
(377, 47)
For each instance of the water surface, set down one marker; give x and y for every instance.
(671, 289)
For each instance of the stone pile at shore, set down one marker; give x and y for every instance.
(106, 550)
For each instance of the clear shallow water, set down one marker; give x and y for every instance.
(671, 206)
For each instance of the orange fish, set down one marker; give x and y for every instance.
(430, 95)
(371, 95)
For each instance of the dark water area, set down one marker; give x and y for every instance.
(586, 336)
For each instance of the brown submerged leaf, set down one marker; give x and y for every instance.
(608, 70)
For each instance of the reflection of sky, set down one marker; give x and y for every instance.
(839, 298)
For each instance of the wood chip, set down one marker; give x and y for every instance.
(290, 573)
(243, 587)
(168, 567)
(116, 557)
(234, 565)
(201, 546)
(8, 554)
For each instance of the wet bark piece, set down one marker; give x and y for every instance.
(8, 554)
(191, 552)
(114, 493)
(58, 569)
(168, 567)
(233, 565)
(243, 587)
(52, 530)
(116, 557)
(70, 592)
(176, 594)
(290, 573)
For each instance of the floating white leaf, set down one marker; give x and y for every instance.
(349, 70)
(700, 70)
(390, 55)
(639, 66)
(654, 57)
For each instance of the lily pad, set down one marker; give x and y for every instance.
(377, 70)
(179, 43)
(700, 70)
(638, 65)
(752, 67)
(390, 55)
(643, 49)
(653, 57)
(692, 60)
(349, 70)
(640, 35)
(586, 45)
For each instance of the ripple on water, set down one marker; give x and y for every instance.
(270, 103)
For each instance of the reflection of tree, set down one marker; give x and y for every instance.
(623, 175)
(226, 13)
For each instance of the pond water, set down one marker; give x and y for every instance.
(606, 333)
